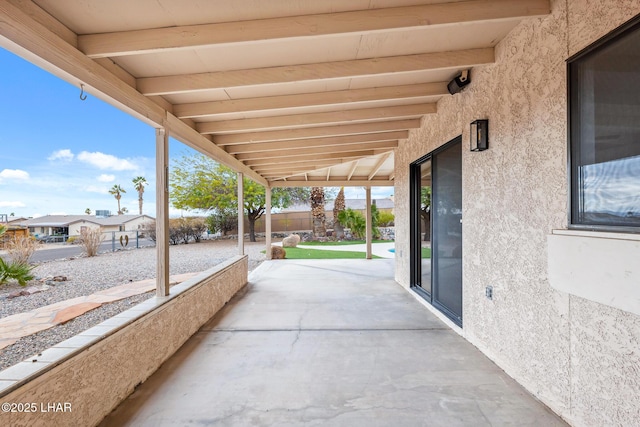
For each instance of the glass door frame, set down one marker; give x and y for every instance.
(415, 226)
(415, 262)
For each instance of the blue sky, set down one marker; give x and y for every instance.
(61, 155)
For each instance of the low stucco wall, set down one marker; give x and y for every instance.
(578, 356)
(92, 380)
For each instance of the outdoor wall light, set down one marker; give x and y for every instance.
(479, 135)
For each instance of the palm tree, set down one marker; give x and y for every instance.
(116, 190)
(317, 211)
(139, 182)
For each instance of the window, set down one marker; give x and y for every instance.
(604, 114)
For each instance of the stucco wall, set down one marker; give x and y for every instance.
(579, 357)
(97, 378)
(76, 227)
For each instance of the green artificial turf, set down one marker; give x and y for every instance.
(341, 242)
(426, 252)
(299, 253)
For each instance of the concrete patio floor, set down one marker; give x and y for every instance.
(328, 342)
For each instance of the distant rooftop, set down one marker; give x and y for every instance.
(65, 220)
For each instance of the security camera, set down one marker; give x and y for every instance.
(458, 83)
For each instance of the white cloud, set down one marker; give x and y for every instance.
(95, 189)
(12, 205)
(106, 161)
(14, 174)
(106, 178)
(65, 155)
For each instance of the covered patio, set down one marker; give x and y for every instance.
(328, 342)
(366, 93)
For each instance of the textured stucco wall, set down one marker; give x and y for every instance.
(605, 342)
(580, 358)
(99, 378)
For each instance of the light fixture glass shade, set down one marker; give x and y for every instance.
(479, 136)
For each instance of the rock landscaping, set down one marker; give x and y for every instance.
(61, 280)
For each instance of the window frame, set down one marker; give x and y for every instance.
(573, 181)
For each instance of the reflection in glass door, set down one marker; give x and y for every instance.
(421, 226)
(447, 230)
(425, 226)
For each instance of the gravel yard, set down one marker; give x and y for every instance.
(88, 275)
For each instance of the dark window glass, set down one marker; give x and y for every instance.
(604, 86)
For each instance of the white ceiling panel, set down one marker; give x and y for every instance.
(184, 60)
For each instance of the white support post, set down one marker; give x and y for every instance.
(267, 221)
(240, 213)
(162, 212)
(369, 222)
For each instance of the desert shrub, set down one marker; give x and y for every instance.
(222, 221)
(386, 219)
(176, 231)
(197, 226)
(20, 249)
(17, 271)
(181, 230)
(184, 230)
(72, 239)
(149, 229)
(90, 240)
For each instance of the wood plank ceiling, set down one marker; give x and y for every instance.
(290, 92)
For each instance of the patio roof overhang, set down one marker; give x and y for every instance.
(287, 92)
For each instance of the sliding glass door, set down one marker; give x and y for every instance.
(436, 228)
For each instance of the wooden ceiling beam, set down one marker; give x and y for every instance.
(295, 164)
(185, 83)
(310, 158)
(187, 135)
(184, 37)
(295, 168)
(316, 142)
(378, 165)
(212, 108)
(334, 181)
(342, 148)
(310, 119)
(316, 132)
(352, 170)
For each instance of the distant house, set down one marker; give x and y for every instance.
(72, 225)
(13, 220)
(12, 229)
